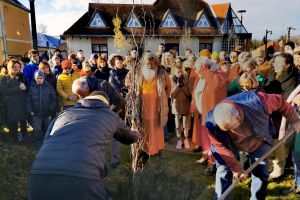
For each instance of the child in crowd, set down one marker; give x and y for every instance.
(41, 104)
(180, 104)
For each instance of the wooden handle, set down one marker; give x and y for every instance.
(232, 186)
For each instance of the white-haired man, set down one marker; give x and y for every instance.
(242, 123)
(154, 92)
(213, 87)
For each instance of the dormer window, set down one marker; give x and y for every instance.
(169, 20)
(134, 22)
(98, 22)
(203, 22)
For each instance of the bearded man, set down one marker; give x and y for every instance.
(154, 92)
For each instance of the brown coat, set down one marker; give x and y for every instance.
(215, 89)
(233, 72)
(181, 98)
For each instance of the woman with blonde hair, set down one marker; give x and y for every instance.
(248, 81)
(13, 87)
(48, 74)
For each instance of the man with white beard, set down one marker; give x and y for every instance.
(154, 92)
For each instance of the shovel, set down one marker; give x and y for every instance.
(232, 186)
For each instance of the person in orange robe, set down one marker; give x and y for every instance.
(155, 90)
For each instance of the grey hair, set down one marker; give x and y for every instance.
(79, 83)
(225, 114)
(202, 60)
(151, 56)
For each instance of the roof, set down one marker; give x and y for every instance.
(154, 14)
(17, 4)
(220, 10)
(45, 40)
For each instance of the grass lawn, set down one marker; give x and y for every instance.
(177, 177)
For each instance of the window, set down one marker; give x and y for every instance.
(203, 22)
(169, 46)
(133, 22)
(99, 48)
(169, 21)
(98, 22)
(228, 45)
(205, 46)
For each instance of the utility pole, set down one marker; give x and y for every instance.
(33, 25)
(289, 33)
(266, 40)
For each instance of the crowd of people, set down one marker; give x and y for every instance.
(252, 96)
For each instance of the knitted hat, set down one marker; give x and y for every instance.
(94, 56)
(258, 53)
(65, 64)
(205, 52)
(39, 73)
(214, 55)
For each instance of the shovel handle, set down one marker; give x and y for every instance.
(263, 157)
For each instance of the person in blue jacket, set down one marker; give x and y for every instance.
(71, 161)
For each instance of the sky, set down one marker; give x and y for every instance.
(275, 15)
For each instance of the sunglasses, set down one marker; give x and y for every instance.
(68, 68)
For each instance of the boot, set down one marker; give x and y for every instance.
(278, 169)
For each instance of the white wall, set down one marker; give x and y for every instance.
(193, 45)
(217, 44)
(152, 44)
(112, 49)
(75, 44)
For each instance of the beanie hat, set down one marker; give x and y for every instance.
(214, 55)
(94, 56)
(39, 73)
(65, 64)
(205, 52)
(258, 53)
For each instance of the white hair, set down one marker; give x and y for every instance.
(225, 115)
(202, 60)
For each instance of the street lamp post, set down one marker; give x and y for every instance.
(33, 25)
(266, 40)
(241, 11)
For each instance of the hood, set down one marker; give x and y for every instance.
(91, 102)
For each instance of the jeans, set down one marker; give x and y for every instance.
(296, 161)
(259, 175)
(54, 187)
(115, 151)
(37, 122)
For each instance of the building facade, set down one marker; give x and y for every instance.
(15, 38)
(193, 24)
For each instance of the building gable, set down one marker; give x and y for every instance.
(169, 20)
(232, 24)
(133, 22)
(97, 21)
(202, 21)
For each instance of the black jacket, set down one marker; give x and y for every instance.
(14, 99)
(76, 142)
(102, 73)
(116, 100)
(41, 99)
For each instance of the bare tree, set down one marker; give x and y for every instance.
(43, 28)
